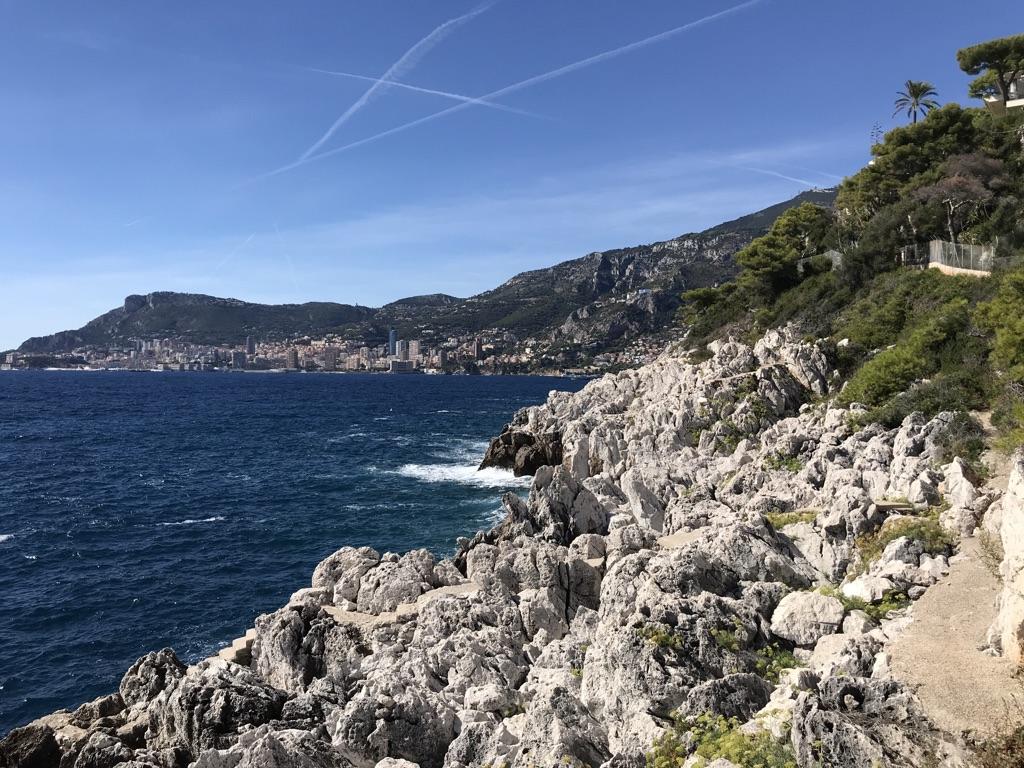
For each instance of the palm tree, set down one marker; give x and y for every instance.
(916, 97)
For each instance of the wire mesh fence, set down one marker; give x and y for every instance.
(977, 258)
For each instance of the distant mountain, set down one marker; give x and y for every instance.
(592, 302)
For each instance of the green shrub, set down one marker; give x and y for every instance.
(772, 660)
(963, 437)
(924, 528)
(727, 639)
(661, 636)
(957, 391)
(790, 463)
(716, 737)
(1003, 318)
(892, 600)
(891, 371)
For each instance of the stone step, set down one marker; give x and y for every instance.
(240, 650)
(404, 610)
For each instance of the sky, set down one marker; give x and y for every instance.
(248, 149)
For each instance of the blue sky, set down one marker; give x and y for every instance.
(156, 146)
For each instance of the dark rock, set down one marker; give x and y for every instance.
(523, 452)
(739, 696)
(33, 746)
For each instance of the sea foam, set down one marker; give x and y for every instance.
(217, 519)
(464, 474)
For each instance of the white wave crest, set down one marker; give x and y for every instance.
(492, 477)
(6, 537)
(217, 519)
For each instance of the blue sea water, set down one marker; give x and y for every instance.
(143, 510)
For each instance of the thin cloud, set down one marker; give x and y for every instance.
(407, 60)
(535, 80)
(431, 91)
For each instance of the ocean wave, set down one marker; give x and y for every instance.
(464, 474)
(217, 519)
(346, 437)
(30, 557)
(6, 537)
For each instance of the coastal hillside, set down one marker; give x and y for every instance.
(596, 299)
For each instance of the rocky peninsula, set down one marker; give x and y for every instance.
(714, 560)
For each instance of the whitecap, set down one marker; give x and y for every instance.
(29, 557)
(6, 537)
(217, 519)
(464, 474)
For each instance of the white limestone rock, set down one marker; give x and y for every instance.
(803, 617)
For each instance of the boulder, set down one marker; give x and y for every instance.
(33, 746)
(148, 677)
(803, 617)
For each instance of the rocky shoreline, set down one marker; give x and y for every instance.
(702, 542)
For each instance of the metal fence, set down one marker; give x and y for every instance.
(978, 258)
(961, 255)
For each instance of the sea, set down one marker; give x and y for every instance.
(145, 510)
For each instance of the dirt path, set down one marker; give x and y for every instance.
(961, 687)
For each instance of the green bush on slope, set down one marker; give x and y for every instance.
(711, 738)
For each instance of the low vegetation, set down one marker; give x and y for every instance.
(788, 463)
(782, 519)
(661, 637)
(924, 528)
(711, 738)
(893, 600)
(772, 661)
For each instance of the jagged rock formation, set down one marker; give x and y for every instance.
(1005, 523)
(667, 552)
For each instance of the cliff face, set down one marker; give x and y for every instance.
(716, 540)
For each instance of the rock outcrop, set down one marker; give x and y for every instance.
(692, 546)
(1005, 521)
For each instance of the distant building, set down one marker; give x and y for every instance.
(352, 363)
(402, 366)
(250, 345)
(238, 360)
(414, 351)
(291, 358)
(392, 342)
(478, 349)
(402, 352)
(331, 359)
(999, 106)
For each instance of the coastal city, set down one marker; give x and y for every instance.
(495, 352)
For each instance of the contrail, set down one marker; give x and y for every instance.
(227, 257)
(431, 91)
(568, 68)
(407, 60)
(767, 172)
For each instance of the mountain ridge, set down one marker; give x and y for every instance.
(594, 299)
